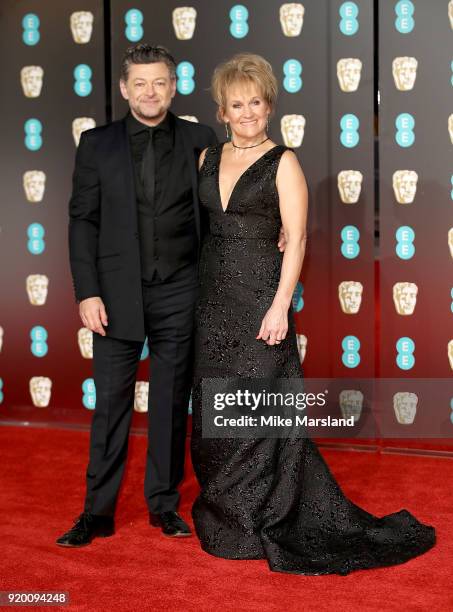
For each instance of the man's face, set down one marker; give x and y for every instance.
(149, 89)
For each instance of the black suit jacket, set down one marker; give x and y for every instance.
(103, 230)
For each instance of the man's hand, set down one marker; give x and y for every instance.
(93, 315)
(281, 241)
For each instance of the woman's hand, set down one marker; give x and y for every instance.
(281, 240)
(275, 324)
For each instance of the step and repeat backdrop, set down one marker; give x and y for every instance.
(416, 212)
(366, 264)
(53, 87)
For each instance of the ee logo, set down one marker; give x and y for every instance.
(350, 247)
(145, 351)
(405, 237)
(349, 125)
(82, 83)
(239, 28)
(89, 394)
(298, 300)
(185, 72)
(405, 359)
(349, 24)
(38, 337)
(292, 69)
(30, 24)
(134, 29)
(1, 390)
(35, 233)
(33, 139)
(405, 124)
(350, 346)
(404, 21)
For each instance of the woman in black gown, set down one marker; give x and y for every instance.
(267, 498)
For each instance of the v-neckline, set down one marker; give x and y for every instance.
(224, 210)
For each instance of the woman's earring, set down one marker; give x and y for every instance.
(226, 130)
(267, 125)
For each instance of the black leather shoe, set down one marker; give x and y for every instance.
(171, 524)
(87, 527)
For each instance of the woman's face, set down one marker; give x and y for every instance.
(246, 110)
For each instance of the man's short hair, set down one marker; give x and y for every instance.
(143, 53)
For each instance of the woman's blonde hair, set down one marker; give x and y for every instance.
(246, 68)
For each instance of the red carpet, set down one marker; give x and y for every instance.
(42, 488)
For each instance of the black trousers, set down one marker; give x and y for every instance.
(169, 310)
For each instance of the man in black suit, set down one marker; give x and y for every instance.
(134, 235)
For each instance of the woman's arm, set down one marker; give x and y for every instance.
(201, 158)
(293, 196)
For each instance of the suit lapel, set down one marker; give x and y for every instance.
(125, 163)
(177, 146)
(189, 149)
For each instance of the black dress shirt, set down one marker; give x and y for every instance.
(167, 231)
(163, 143)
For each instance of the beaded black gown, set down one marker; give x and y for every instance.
(262, 498)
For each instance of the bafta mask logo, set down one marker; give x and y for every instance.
(405, 407)
(81, 26)
(405, 298)
(1, 338)
(350, 295)
(40, 390)
(31, 79)
(293, 130)
(301, 346)
(405, 186)
(184, 22)
(450, 353)
(85, 341)
(189, 118)
(34, 185)
(350, 186)
(404, 72)
(450, 241)
(79, 125)
(349, 71)
(450, 127)
(351, 403)
(450, 13)
(37, 287)
(141, 396)
(292, 18)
